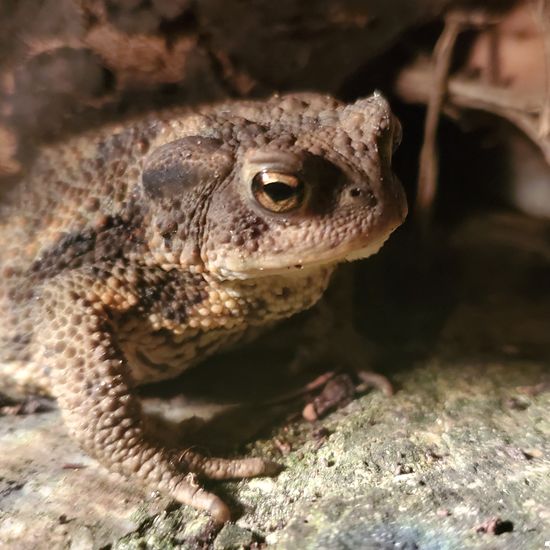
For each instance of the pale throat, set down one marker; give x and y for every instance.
(274, 297)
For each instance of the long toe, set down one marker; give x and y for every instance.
(220, 468)
(188, 492)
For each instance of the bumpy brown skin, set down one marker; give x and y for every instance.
(129, 254)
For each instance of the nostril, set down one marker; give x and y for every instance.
(371, 199)
(355, 192)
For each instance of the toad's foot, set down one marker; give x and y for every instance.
(331, 337)
(349, 352)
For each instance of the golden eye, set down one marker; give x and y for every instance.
(277, 191)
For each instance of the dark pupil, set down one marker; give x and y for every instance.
(278, 191)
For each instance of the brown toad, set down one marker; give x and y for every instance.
(130, 253)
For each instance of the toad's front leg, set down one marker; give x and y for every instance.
(91, 381)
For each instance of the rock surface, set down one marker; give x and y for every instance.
(458, 458)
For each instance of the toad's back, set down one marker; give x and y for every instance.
(69, 189)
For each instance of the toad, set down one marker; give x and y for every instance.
(132, 252)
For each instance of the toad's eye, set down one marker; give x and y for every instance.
(278, 191)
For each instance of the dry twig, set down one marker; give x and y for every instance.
(428, 172)
(455, 21)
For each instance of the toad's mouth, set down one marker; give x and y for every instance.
(336, 256)
(348, 251)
